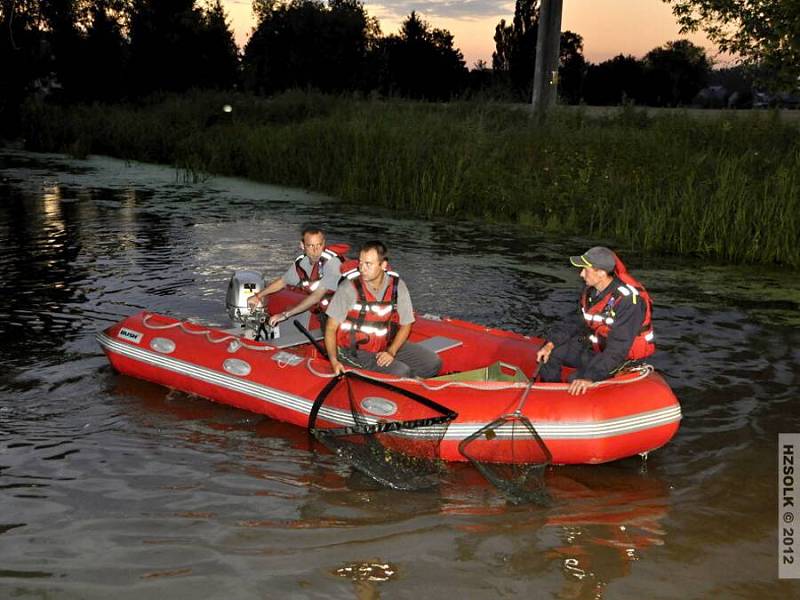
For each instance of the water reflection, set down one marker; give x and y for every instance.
(603, 520)
(114, 481)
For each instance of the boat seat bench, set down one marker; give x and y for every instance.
(291, 336)
(440, 343)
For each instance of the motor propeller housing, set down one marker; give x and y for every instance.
(242, 285)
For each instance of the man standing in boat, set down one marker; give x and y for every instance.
(614, 324)
(316, 272)
(370, 318)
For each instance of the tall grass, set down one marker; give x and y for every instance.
(727, 189)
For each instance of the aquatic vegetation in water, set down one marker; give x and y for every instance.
(725, 188)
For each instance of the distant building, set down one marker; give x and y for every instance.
(712, 96)
(777, 100)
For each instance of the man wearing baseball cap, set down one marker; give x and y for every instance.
(614, 324)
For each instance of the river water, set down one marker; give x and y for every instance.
(112, 486)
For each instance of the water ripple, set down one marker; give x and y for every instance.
(114, 483)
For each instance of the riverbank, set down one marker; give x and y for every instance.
(727, 189)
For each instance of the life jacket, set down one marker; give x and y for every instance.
(309, 282)
(599, 317)
(371, 323)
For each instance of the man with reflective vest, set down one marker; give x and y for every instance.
(316, 271)
(370, 318)
(614, 324)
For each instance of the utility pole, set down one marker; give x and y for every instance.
(548, 42)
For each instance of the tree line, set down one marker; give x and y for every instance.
(113, 50)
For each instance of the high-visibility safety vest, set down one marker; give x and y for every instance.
(309, 282)
(371, 322)
(599, 317)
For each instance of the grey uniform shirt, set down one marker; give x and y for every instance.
(330, 273)
(346, 296)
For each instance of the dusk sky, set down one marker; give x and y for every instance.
(608, 27)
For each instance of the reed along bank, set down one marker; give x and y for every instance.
(725, 188)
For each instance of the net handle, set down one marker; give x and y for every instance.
(311, 339)
(324, 392)
(521, 403)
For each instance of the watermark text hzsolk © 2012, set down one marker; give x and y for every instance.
(788, 532)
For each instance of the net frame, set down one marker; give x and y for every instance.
(386, 464)
(520, 482)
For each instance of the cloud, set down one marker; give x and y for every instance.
(395, 11)
(429, 9)
(449, 9)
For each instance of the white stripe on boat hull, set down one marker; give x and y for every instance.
(455, 431)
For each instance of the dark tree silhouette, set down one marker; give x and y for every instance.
(515, 48)
(481, 79)
(765, 33)
(514, 58)
(304, 43)
(61, 20)
(674, 73)
(49, 48)
(175, 46)
(220, 53)
(23, 57)
(105, 50)
(106, 53)
(614, 82)
(420, 62)
(670, 75)
(572, 68)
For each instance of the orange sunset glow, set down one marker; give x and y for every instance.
(608, 27)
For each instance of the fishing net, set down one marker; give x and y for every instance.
(511, 455)
(384, 431)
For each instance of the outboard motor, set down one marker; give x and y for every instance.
(254, 322)
(243, 284)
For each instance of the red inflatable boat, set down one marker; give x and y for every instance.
(632, 413)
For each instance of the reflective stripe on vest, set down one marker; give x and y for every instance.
(309, 282)
(600, 317)
(328, 254)
(381, 311)
(649, 336)
(589, 317)
(371, 321)
(365, 328)
(628, 290)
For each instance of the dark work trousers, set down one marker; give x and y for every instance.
(575, 353)
(412, 360)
